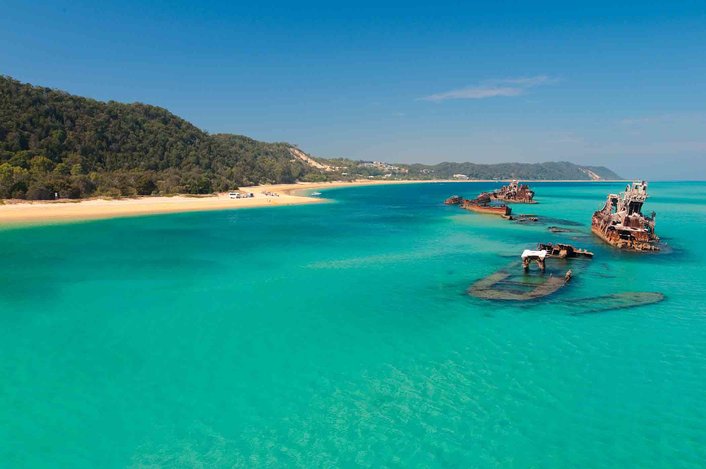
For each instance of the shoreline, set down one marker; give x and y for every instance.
(14, 213)
(20, 212)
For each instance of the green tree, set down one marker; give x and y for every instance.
(40, 165)
(13, 181)
(62, 169)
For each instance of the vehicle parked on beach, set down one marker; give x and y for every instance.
(240, 195)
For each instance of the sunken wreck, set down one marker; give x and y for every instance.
(515, 193)
(621, 223)
(484, 204)
(508, 284)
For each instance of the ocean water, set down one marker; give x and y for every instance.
(341, 335)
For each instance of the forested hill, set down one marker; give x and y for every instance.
(527, 171)
(52, 142)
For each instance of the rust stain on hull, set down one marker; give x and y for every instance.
(502, 210)
(481, 204)
(515, 193)
(484, 204)
(621, 223)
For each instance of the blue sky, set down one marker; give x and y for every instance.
(621, 84)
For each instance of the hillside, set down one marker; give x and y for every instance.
(527, 171)
(54, 142)
(562, 170)
(51, 141)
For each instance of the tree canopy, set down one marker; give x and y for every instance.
(52, 142)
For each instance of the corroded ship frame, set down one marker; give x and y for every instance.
(621, 223)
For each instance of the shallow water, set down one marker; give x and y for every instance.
(341, 334)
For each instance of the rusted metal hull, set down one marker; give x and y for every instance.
(621, 223)
(512, 284)
(515, 193)
(525, 200)
(453, 200)
(632, 241)
(564, 251)
(502, 210)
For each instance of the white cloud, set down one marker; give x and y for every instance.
(493, 88)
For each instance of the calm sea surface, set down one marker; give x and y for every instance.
(341, 335)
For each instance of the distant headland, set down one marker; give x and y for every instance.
(54, 145)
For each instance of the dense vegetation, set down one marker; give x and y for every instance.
(52, 142)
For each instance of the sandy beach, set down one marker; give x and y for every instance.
(41, 212)
(25, 212)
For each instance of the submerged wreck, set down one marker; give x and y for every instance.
(616, 301)
(515, 193)
(621, 223)
(511, 284)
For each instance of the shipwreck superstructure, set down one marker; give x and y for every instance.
(454, 200)
(621, 223)
(515, 192)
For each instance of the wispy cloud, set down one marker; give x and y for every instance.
(493, 88)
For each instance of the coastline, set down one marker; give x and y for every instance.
(49, 212)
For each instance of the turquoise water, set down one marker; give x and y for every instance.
(340, 335)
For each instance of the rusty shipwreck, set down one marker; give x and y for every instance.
(621, 223)
(514, 193)
(484, 203)
(454, 200)
(509, 284)
(563, 251)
